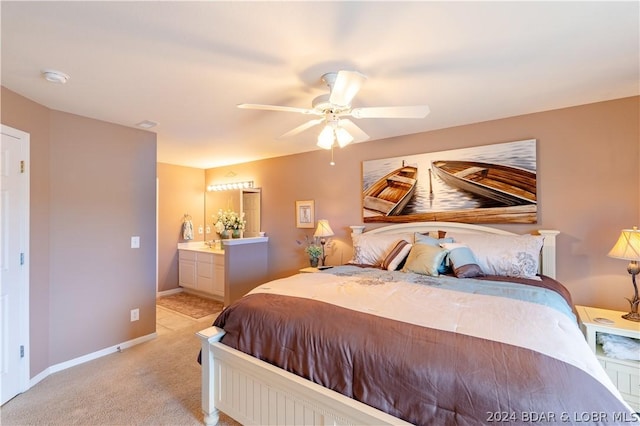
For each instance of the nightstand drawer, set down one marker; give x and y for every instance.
(625, 374)
(626, 377)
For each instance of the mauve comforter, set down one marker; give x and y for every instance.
(429, 350)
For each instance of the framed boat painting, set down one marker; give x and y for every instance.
(486, 184)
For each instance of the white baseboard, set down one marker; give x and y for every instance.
(168, 292)
(89, 357)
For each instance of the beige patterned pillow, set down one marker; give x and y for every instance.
(372, 249)
(507, 255)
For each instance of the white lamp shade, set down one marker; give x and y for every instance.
(628, 245)
(344, 138)
(323, 229)
(325, 138)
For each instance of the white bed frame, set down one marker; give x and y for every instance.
(254, 392)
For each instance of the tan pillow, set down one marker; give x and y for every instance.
(424, 259)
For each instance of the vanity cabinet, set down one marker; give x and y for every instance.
(187, 268)
(223, 274)
(202, 271)
(218, 276)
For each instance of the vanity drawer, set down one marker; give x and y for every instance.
(186, 255)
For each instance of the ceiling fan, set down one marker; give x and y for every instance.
(334, 107)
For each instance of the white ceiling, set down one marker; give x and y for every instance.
(186, 65)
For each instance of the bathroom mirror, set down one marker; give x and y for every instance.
(248, 200)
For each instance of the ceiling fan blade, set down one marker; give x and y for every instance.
(415, 111)
(358, 134)
(277, 108)
(346, 86)
(302, 128)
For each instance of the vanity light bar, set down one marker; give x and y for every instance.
(228, 186)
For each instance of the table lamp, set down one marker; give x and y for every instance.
(628, 247)
(323, 231)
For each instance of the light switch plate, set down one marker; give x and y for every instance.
(135, 242)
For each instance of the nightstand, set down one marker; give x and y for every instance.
(625, 374)
(311, 269)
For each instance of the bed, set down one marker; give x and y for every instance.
(431, 323)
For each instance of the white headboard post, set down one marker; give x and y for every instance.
(549, 252)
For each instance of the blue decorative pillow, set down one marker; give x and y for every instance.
(463, 262)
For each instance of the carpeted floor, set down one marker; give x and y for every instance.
(153, 383)
(190, 304)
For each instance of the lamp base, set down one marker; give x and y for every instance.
(632, 316)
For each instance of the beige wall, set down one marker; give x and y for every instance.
(180, 192)
(588, 188)
(93, 186)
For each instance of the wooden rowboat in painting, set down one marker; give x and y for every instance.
(389, 195)
(511, 186)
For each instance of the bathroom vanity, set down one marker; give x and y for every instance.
(223, 273)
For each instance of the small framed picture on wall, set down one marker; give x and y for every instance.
(304, 214)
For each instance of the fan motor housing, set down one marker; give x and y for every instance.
(321, 103)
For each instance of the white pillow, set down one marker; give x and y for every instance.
(507, 255)
(372, 249)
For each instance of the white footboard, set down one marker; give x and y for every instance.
(254, 392)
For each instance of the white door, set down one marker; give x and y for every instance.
(251, 208)
(14, 254)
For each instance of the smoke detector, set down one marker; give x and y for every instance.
(54, 76)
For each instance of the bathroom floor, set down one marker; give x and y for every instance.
(168, 320)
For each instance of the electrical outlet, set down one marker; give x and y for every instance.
(200, 230)
(135, 242)
(135, 314)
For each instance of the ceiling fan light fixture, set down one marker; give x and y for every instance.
(343, 136)
(325, 138)
(335, 106)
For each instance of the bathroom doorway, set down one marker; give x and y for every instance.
(250, 205)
